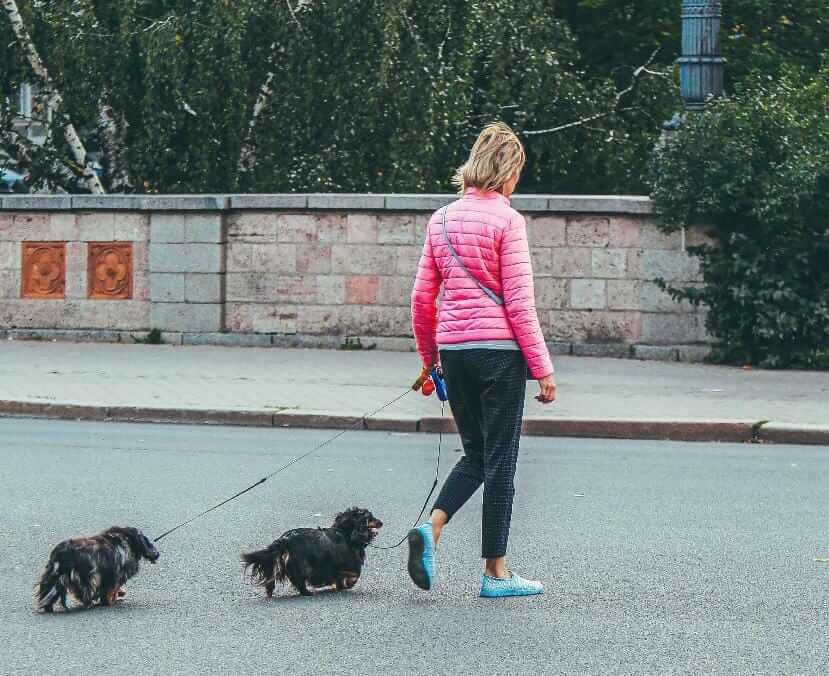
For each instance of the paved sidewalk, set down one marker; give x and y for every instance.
(318, 388)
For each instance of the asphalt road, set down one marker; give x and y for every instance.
(658, 557)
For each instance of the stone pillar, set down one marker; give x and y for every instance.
(187, 271)
(701, 65)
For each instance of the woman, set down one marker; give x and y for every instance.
(486, 337)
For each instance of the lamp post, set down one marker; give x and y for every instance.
(701, 65)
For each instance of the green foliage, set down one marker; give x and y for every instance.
(377, 95)
(755, 169)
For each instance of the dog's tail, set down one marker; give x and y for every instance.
(266, 566)
(49, 588)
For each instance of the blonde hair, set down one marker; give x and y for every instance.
(496, 157)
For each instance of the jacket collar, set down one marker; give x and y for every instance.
(478, 194)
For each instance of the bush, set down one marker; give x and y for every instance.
(755, 170)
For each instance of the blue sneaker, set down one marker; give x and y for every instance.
(496, 587)
(422, 556)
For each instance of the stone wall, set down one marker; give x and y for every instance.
(319, 269)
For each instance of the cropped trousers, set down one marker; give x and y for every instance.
(486, 393)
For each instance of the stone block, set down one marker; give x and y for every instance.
(560, 348)
(272, 318)
(167, 228)
(593, 327)
(624, 294)
(363, 228)
(609, 263)
(407, 258)
(108, 202)
(550, 293)
(345, 201)
(542, 261)
(669, 265)
(654, 299)
(635, 265)
(37, 202)
(270, 288)
(600, 204)
(591, 231)
(238, 317)
(546, 231)
(529, 203)
(395, 291)
(653, 238)
(253, 227)
(183, 202)
(63, 226)
(313, 258)
(331, 228)
(167, 287)
(195, 317)
(200, 288)
(670, 329)
(77, 275)
(10, 284)
(693, 354)
(588, 294)
(360, 259)
(624, 232)
(274, 201)
(10, 255)
(417, 202)
(205, 228)
(654, 352)
(297, 228)
(141, 255)
(96, 226)
(331, 290)
(614, 350)
(268, 257)
(384, 321)
(186, 257)
(141, 285)
(131, 227)
(328, 320)
(29, 227)
(227, 339)
(568, 263)
(129, 315)
(398, 229)
(361, 289)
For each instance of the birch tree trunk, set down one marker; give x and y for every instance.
(54, 100)
(247, 157)
(113, 149)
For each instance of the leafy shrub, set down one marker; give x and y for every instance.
(755, 170)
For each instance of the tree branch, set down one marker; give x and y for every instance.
(54, 99)
(615, 109)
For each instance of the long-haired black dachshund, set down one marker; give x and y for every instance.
(93, 568)
(316, 557)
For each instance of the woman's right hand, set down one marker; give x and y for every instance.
(547, 385)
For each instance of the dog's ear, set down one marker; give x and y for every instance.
(344, 521)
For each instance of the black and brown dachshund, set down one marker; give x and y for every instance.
(316, 557)
(93, 569)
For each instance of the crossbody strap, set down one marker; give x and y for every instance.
(483, 287)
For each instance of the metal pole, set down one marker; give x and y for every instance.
(701, 65)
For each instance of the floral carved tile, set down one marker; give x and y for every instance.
(110, 270)
(43, 270)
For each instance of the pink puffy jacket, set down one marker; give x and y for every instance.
(490, 237)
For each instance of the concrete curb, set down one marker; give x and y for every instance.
(735, 431)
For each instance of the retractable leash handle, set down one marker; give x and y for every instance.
(440, 383)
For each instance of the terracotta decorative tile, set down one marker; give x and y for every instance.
(44, 270)
(110, 270)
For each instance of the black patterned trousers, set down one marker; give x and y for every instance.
(486, 392)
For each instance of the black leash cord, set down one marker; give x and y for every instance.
(360, 422)
(428, 497)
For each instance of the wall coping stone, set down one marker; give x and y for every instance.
(593, 204)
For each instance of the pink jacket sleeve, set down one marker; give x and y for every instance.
(519, 297)
(424, 308)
